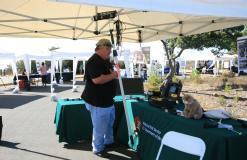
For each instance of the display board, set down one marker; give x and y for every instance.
(242, 54)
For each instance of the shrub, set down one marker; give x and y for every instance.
(195, 76)
(228, 74)
(228, 88)
(236, 98)
(222, 100)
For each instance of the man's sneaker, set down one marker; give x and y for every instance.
(102, 154)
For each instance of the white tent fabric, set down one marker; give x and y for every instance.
(195, 55)
(59, 56)
(27, 64)
(75, 61)
(143, 20)
(60, 68)
(11, 56)
(27, 61)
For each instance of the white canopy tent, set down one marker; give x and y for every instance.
(207, 55)
(141, 21)
(11, 57)
(27, 61)
(59, 56)
(227, 61)
(54, 57)
(136, 20)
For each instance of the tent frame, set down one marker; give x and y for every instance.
(132, 28)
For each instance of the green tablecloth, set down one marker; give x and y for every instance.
(74, 123)
(221, 144)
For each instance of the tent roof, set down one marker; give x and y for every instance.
(4, 56)
(195, 55)
(42, 18)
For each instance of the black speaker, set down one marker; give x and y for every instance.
(171, 90)
(1, 126)
(132, 86)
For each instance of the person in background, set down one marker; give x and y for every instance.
(98, 95)
(43, 70)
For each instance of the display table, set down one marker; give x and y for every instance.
(67, 76)
(74, 123)
(221, 144)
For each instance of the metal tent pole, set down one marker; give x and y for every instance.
(133, 134)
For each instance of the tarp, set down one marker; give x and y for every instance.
(142, 21)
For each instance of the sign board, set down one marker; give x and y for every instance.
(242, 54)
(139, 57)
(146, 52)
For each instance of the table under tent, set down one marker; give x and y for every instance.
(150, 21)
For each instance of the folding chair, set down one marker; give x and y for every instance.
(184, 143)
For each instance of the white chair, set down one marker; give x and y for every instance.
(184, 143)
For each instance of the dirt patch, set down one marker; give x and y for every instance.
(218, 92)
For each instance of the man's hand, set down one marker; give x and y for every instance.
(104, 78)
(115, 74)
(118, 68)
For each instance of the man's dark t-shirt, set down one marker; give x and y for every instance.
(100, 95)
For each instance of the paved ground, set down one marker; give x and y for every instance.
(29, 131)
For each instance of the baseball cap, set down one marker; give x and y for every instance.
(104, 42)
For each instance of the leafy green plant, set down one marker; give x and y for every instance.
(195, 76)
(222, 100)
(175, 79)
(236, 98)
(228, 88)
(154, 80)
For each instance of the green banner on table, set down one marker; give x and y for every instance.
(153, 123)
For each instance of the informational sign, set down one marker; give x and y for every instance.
(242, 54)
(139, 57)
(146, 52)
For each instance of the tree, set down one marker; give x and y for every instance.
(9, 70)
(33, 66)
(245, 30)
(20, 66)
(220, 40)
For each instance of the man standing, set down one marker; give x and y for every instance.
(98, 95)
(43, 70)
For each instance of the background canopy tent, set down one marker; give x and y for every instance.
(59, 56)
(11, 57)
(148, 21)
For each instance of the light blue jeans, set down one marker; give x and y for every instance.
(102, 119)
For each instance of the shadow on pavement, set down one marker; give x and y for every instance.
(13, 101)
(47, 89)
(120, 152)
(14, 146)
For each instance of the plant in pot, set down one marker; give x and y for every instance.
(154, 81)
